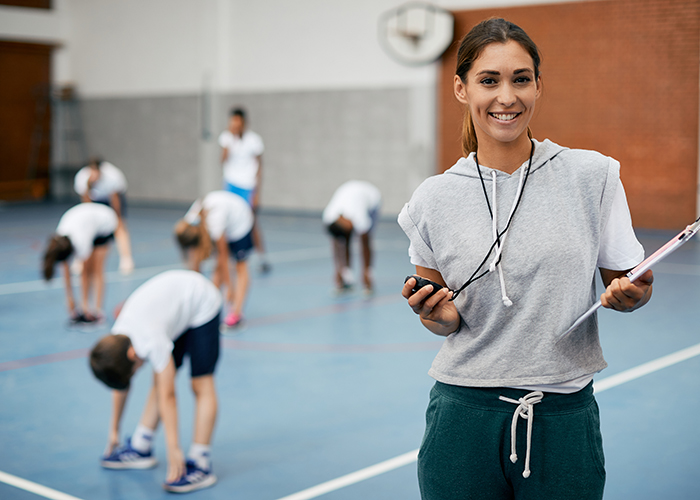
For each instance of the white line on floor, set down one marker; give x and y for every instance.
(35, 488)
(355, 477)
(412, 456)
(298, 255)
(646, 368)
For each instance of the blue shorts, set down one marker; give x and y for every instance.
(246, 194)
(201, 344)
(102, 240)
(122, 203)
(240, 249)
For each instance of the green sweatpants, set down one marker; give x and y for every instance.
(466, 450)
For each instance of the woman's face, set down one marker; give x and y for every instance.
(500, 90)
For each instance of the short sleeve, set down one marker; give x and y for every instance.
(420, 248)
(80, 183)
(619, 248)
(216, 223)
(361, 222)
(160, 352)
(82, 245)
(416, 259)
(223, 139)
(257, 145)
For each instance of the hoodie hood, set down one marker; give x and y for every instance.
(544, 151)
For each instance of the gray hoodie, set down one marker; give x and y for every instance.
(547, 269)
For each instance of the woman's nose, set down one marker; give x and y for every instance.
(506, 97)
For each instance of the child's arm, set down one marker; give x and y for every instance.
(69, 287)
(167, 405)
(116, 204)
(118, 404)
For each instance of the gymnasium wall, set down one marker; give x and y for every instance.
(330, 105)
(620, 77)
(158, 76)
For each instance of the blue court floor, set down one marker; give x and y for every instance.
(315, 387)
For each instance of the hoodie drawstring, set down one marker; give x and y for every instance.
(526, 410)
(499, 242)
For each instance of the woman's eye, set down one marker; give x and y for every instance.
(488, 81)
(522, 79)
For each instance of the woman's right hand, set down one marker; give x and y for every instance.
(437, 313)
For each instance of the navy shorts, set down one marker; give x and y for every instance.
(201, 344)
(122, 203)
(102, 240)
(240, 249)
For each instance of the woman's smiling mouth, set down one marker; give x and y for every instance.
(506, 117)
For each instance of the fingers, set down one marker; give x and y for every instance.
(647, 277)
(422, 304)
(175, 472)
(407, 289)
(624, 295)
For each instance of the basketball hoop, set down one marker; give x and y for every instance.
(416, 33)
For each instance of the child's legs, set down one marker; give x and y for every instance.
(202, 345)
(86, 280)
(150, 416)
(241, 286)
(239, 250)
(99, 255)
(206, 408)
(341, 256)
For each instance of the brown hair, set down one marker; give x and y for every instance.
(195, 237)
(110, 363)
(58, 249)
(494, 30)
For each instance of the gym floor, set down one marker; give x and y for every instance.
(314, 387)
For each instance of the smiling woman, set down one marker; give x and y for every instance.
(566, 217)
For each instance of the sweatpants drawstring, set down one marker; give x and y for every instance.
(525, 410)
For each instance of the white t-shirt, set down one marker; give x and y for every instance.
(111, 181)
(85, 222)
(162, 309)
(227, 213)
(357, 201)
(241, 165)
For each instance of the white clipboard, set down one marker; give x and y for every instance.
(646, 264)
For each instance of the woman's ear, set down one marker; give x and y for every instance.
(460, 90)
(539, 87)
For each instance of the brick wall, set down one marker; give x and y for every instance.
(620, 77)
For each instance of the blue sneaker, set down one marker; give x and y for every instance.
(194, 479)
(125, 457)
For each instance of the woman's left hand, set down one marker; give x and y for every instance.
(626, 296)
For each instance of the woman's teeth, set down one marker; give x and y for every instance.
(504, 116)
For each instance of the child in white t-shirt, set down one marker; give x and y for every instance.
(241, 157)
(174, 314)
(226, 220)
(354, 207)
(84, 232)
(102, 182)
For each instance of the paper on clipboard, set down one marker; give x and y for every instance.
(646, 264)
